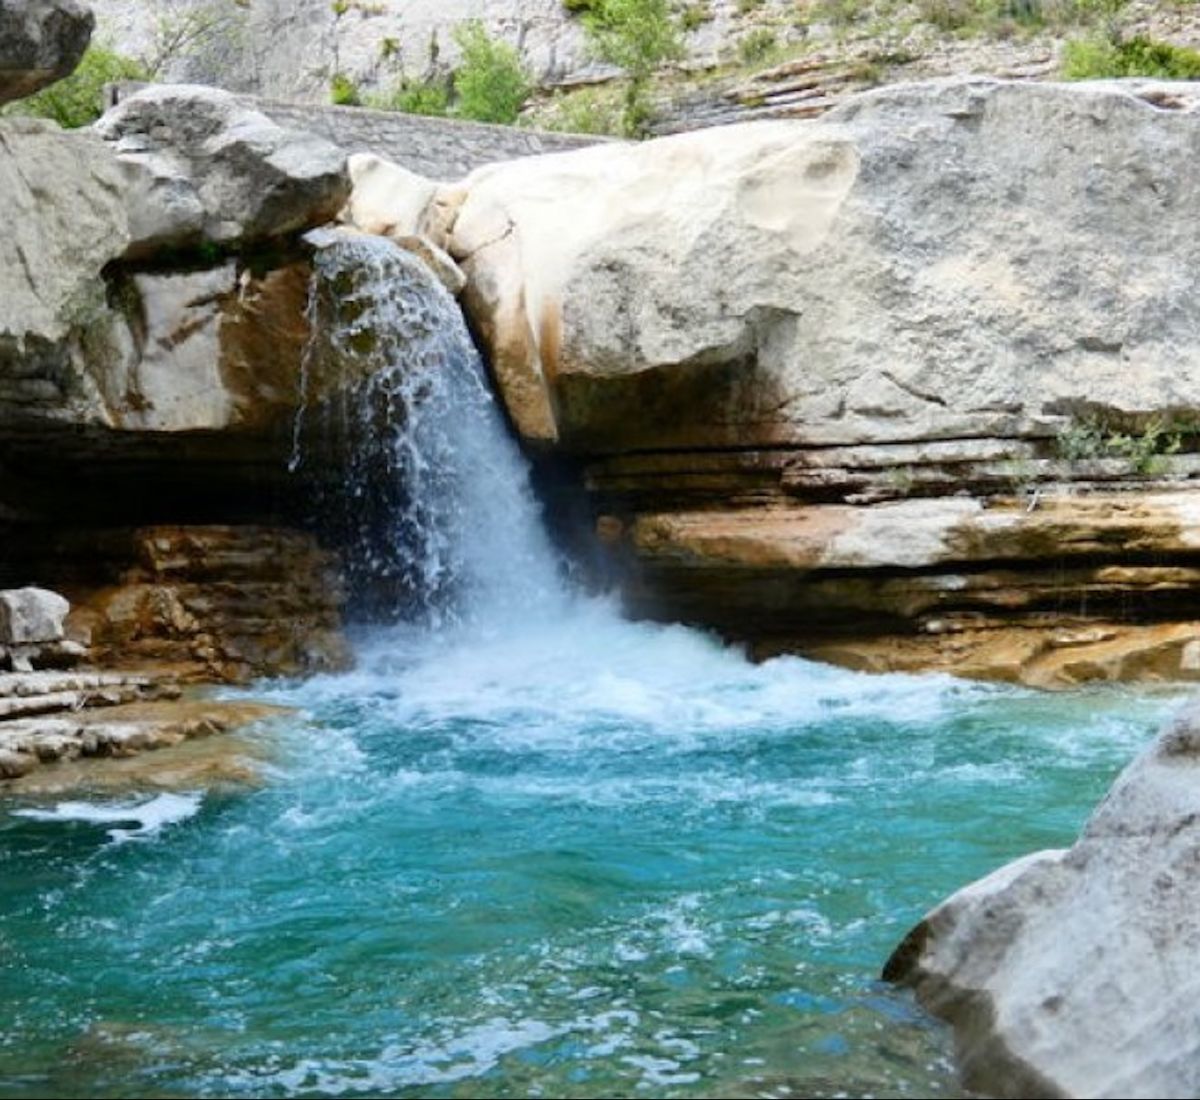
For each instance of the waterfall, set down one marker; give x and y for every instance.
(428, 489)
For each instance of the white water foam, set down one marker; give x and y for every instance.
(436, 499)
(139, 820)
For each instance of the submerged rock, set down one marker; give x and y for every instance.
(1072, 973)
(41, 42)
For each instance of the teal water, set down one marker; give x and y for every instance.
(579, 858)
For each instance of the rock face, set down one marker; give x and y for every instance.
(213, 170)
(41, 41)
(93, 329)
(919, 371)
(1072, 973)
(153, 294)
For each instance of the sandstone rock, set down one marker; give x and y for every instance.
(1072, 973)
(212, 169)
(41, 41)
(220, 603)
(116, 731)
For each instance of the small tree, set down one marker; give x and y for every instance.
(637, 36)
(490, 82)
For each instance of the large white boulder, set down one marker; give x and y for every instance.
(1073, 973)
(29, 615)
(965, 258)
(214, 170)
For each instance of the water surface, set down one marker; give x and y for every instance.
(580, 857)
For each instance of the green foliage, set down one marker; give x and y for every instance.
(587, 111)
(756, 45)
(414, 97)
(1005, 16)
(745, 7)
(694, 16)
(578, 7)
(343, 91)
(491, 83)
(1098, 58)
(1144, 446)
(79, 100)
(636, 36)
(840, 13)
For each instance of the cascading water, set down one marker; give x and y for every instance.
(434, 493)
(526, 848)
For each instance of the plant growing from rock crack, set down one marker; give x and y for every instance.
(1146, 448)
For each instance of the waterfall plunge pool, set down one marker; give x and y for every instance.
(587, 858)
(528, 848)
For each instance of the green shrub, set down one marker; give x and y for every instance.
(756, 45)
(578, 7)
(840, 13)
(343, 92)
(636, 36)
(694, 16)
(414, 97)
(588, 111)
(491, 83)
(1145, 445)
(1100, 58)
(79, 99)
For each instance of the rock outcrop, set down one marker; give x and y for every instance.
(31, 628)
(140, 271)
(153, 297)
(913, 379)
(41, 41)
(1072, 973)
(212, 170)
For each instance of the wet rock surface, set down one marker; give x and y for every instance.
(878, 386)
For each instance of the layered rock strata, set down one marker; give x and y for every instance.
(153, 296)
(907, 386)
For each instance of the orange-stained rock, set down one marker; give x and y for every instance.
(217, 603)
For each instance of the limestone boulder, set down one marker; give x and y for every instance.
(189, 336)
(32, 630)
(1072, 973)
(966, 258)
(212, 170)
(41, 42)
(30, 615)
